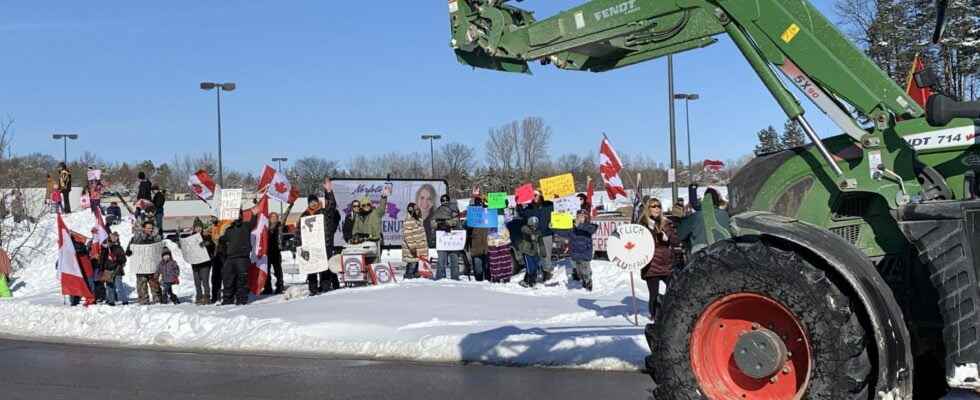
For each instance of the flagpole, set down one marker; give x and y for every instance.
(636, 314)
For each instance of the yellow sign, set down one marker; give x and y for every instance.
(557, 186)
(790, 33)
(561, 220)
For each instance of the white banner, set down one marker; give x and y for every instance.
(424, 193)
(568, 204)
(191, 248)
(354, 268)
(231, 204)
(145, 258)
(312, 256)
(450, 241)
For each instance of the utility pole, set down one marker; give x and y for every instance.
(227, 87)
(672, 174)
(65, 139)
(687, 97)
(432, 151)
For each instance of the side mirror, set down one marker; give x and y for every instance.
(941, 6)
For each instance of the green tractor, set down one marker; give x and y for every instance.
(853, 270)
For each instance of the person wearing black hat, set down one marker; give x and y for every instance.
(327, 280)
(235, 248)
(446, 219)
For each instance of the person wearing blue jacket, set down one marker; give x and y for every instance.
(580, 242)
(541, 209)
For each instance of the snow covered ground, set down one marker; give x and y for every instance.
(559, 325)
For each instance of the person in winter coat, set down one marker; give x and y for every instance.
(217, 230)
(532, 246)
(580, 239)
(144, 190)
(662, 265)
(446, 218)
(347, 230)
(113, 214)
(499, 256)
(541, 209)
(235, 248)
(169, 276)
(274, 256)
(202, 271)
(476, 242)
(327, 280)
(415, 246)
(147, 235)
(50, 187)
(113, 265)
(708, 225)
(64, 184)
(159, 200)
(367, 222)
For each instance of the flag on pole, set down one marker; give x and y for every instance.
(918, 93)
(202, 185)
(713, 165)
(589, 192)
(610, 166)
(258, 272)
(277, 186)
(69, 267)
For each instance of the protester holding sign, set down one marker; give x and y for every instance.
(415, 245)
(541, 210)
(580, 238)
(327, 280)
(477, 242)
(446, 219)
(665, 239)
(202, 269)
(145, 264)
(532, 246)
(235, 248)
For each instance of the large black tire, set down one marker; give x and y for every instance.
(840, 364)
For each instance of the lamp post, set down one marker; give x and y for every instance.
(65, 138)
(687, 97)
(279, 161)
(432, 151)
(673, 134)
(227, 87)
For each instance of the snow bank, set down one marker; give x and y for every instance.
(559, 325)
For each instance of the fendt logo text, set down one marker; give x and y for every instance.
(623, 8)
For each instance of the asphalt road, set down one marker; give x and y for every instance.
(32, 370)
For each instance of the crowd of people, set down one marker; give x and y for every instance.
(526, 240)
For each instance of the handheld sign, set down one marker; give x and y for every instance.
(497, 200)
(568, 204)
(524, 194)
(450, 241)
(479, 217)
(382, 274)
(193, 252)
(312, 256)
(630, 247)
(231, 204)
(354, 266)
(145, 258)
(557, 186)
(561, 220)
(94, 174)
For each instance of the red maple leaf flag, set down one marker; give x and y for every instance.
(258, 272)
(202, 185)
(69, 267)
(277, 186)
(609, 168)
(629, 245)
(713, 165)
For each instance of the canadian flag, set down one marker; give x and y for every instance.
(258, 273)
(277, 186)
(609, 168)
(202, 185)
(69, 268)
(713, 165)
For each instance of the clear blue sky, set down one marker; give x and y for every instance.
(333, 79)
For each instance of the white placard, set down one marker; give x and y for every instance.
(568, 204)
(94, 174)
(145, 258)
(630, 247)
(191, 248)
(354, 268)
(312, 256)
(450, 241)
(231, 204)
(383, 274)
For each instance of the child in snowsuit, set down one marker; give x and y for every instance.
(169, 276)
(532, 246)
(580, 238)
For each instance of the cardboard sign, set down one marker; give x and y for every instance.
(354, 268)
(479, 217)
(497, 200)
(312, 256)
(94, 174)
(567, 204)
(557, 186)
(145, 258)
(450, 241)
(190, 248)
(382, 274)
(561, 220)
(231, 204)
(524, 194)
(630, 247)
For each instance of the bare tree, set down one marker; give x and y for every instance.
(532, 145)
(501, 148)
(308, 172)
(6, 137)
(456, 163)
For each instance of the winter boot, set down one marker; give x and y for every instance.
(574, 274)
(546, 276)
(587, 285)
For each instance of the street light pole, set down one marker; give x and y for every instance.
(432, 151)
(279, 161)
(227, 86)
(64, 139)
(687, 97)
(673, 134)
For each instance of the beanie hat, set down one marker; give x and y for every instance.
(312, 198)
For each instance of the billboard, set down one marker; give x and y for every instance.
(424, 193)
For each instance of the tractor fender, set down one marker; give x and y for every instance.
(894, 351)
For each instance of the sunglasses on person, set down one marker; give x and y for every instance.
(657, 206)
